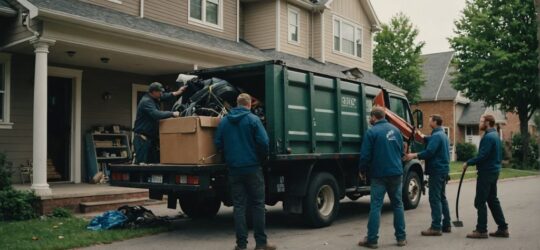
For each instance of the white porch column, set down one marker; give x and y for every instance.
(40, 185)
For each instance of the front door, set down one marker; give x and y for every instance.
(59, 128)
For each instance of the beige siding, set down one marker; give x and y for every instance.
(131, 7)
(260, 24)
(12, 30)
(175, 12)
(352, 11)
(317, 37)
(303, 48)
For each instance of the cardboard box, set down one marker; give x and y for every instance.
(188, 140)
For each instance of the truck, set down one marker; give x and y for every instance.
(315, 123)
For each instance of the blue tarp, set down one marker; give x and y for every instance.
(107, 220)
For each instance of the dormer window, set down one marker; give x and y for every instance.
(206, 12)
(348, 38)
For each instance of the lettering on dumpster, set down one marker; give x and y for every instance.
(348, 102)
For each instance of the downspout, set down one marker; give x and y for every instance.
(141, 9)
(26, 16)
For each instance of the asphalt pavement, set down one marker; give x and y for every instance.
(520, 199)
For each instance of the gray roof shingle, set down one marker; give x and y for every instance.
(474, 110)
(111, 17)
(4, 3)
(437, 71)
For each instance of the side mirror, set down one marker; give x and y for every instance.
(419, 118)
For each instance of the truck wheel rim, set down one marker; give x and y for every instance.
(325, 200)
(413, 189)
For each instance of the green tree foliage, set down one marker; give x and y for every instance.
(396, 57)
(496, 57)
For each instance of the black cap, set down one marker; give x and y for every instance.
(155, 86)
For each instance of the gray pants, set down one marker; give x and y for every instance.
(248, 190)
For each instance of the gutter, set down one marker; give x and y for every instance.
(32, 9)
(138, 33)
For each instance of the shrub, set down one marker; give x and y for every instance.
(517, 152)
(17, 205)
(465, 151)
(5, 172)
(61, 212)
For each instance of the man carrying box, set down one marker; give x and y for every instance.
(147, 122)
(244, 143)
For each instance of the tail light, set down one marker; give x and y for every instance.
(187, 179)
(120, 176)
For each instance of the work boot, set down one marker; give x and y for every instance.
(431, 232)
(366, 243)
(500, 233)
(477, 235)
(239, 248)
(447, 229)
(267, 247)
(401, 243)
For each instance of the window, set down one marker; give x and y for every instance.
(5, 73)
(294, 18)
(446, 131)
(207, 12)
(347, 38)
(400, 107)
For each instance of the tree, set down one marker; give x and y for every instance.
(496, 57)
(397, 56)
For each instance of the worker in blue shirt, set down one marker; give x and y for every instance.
(488, 164)
(437, 157)
(245, 145)
(380, 158)
(147, 122)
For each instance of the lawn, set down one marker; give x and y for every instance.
(456, 168)
(62, 233)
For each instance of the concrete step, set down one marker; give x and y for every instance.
(73, 201)
(101, 206)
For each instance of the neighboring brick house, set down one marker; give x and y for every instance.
(460, 115)
(89, 49)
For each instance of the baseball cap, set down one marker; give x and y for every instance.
(155, 86)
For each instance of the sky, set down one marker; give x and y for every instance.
(434, 19)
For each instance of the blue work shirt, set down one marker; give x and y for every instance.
(149, 114)
(489, 155)
(243, 140)
(381, 150)
(437, 153)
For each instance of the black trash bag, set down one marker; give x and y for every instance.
(138, 216)
(213, 99)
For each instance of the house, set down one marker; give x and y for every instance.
(70, 65)
(460, 115)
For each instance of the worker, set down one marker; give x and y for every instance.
(147, 122)
(380, 156)
(437, 157)
(488, 164)
(245, 145)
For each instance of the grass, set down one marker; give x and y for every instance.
(62, 233)
(456, 169)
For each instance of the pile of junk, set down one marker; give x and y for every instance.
(211, 97)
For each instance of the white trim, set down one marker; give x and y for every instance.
(135, 88)
(32, 9)
(237, 21)
(75, 154)
(324, 134)
(328, 111)
(278, 29)
(444, 76)
(202, 22)
(298, 133)
(17, 42)
(356, 26)
(5, 121)
(323, 38)
(294, 10)
(296, 107)
(141, 9)
(115, 1)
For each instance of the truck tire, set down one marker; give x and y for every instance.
(412, 190)
(321, 203)
(199, 207)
